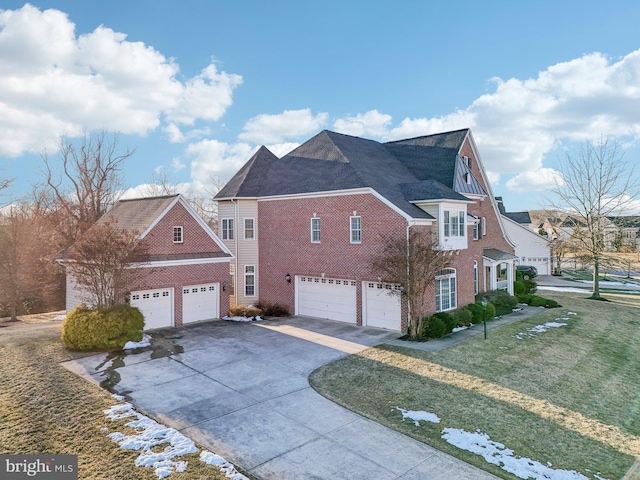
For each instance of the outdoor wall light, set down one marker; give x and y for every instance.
(287, 277)
(224, 286)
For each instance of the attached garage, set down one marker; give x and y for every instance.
(330, 298)
(543, 264)
(200, 302)
(380, 306)
(156, 306)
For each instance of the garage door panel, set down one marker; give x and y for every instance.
(327, 298)
(200, 302)
(381, 307)
(156, 306)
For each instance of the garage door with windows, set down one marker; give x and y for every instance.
(156, 306)
(330, 298)
(381, 305)
(200, 302)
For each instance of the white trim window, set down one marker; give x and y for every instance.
(454, 223)
(227, 229)
(356, 229)
(178, 235)
(249, 231)
(315, 230)
(475, 277)
(446, 290)
(249, 280)
(476, 230)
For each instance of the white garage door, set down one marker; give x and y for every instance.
(327, 298)
(156, 306)
(380, 307)
(200, 302)
(541, 263)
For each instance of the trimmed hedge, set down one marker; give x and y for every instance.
(91, 329)
(476, 311)
(245, 311)
(463, 317)
(519, 288)
(538, 301)
(433, 327)
(501, 300)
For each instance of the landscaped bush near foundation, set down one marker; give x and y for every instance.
(501, 300)
(92, 329)
(538, 301)
(248, 311)
(463, 317)
(518, 287)
(433, 327)
(273, 309)
(476, 311)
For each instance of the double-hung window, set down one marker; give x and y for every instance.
(248, 229)
(249, 281)
(315, 230)
(177, 235)
(454, 223)
(227, 228)
(356, 231)
(446, 290)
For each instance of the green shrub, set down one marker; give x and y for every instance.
(273, 309)
(433, 327)
(530, 286)
(501, 300)
(476, 311)
(463, 317)
(490, 311)
(552, 304)
(91, 329)
(448, 320)
(248, 311)
(519, 288)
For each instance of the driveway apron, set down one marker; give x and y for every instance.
(241, 390)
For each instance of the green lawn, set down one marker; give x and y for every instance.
(44, 408)
(569, 396)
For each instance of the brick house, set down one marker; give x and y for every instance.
(303, 228)
(185, 277)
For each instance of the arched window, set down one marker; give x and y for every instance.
(446, 290)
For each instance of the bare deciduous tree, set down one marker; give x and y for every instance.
(161, 185)
(100, 263)
(595, 182)
(86, 181)
(413, 264)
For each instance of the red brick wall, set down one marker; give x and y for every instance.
(195, 239)
(285, 242)
(177, 277)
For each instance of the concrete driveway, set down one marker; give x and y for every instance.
(241, 390)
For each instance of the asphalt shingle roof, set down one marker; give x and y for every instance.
(426, 167)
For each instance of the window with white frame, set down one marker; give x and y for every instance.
(177, 235)
(356, 232)
(315, 230)
(454, 223)
(476, 230)
(249, 280)
(475, 277)
(446, 290)
(248, 229)
(227, 228)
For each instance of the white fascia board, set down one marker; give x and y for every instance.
(195, 216)
(234, 198)
(441, 200)
(354, 191)
(178, 263)
(537, 235)
(474, 196)
(492, 197)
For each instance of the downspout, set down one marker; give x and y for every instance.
(410, 224)
(236, 232)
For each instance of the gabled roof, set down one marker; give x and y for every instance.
(399, 171)
(518, 217)
(137, 213)
(497, 255)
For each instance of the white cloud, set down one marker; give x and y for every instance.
(212, 157)
(53, 82)
(371, 123)
(177, 164)
(534, 180)
(281, 149)
(289, 124)
(173, 133)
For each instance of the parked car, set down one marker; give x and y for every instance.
(527, 272)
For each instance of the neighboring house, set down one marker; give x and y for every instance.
(628, 230)
(531, 248)
(303, 228)
(523, 218)
(186, 273)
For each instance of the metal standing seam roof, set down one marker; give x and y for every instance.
(400, 171)
(497, 255)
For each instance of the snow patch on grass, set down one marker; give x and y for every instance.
(497, 454)
(459, 329)
(417, 415)
(541, 328)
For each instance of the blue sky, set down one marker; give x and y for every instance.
(197, 86)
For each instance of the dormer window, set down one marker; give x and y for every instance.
(177, 235)
(454, 223)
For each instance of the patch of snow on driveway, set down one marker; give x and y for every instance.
(225, 467)
(145, 342)
(497, 454)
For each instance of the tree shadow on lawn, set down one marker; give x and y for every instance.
(379, 379)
